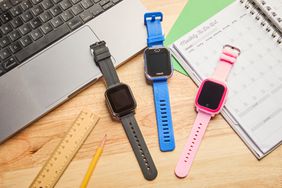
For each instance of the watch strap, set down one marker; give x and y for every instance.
(102, 58)
(139, 147)
(163, 115)
(152, 21)
(226, 61)
(191, 147)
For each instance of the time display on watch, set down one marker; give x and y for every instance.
(158, 62)
(120, 99)
(211, 95)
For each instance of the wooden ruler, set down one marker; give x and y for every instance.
(65, 151)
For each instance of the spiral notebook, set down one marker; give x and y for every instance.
(254, 105)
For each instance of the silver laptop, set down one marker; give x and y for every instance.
(45, 57)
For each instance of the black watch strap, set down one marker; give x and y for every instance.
(139, 147)
(102, 58)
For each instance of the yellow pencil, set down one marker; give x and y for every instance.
(93, 163)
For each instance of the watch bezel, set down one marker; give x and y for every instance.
(152, 78)
(221, 103)
(124, 112)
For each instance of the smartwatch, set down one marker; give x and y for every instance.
(122, 104)
(209, 101)
(158, 69)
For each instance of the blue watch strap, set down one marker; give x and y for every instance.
(163, 114)
(152, 20)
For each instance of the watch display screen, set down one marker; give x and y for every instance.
(121, 99)
(158, 62)
(211, 95)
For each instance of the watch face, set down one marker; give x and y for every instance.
(158, 62)
(211, 95)
(121, 99)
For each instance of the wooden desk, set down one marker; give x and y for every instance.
(222, 161)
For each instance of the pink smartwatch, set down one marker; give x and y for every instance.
(209, 101)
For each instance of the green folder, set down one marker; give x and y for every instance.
(194, 13)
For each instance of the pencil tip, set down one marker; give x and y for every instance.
(103, 141)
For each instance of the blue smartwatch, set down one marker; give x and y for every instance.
(158, 69)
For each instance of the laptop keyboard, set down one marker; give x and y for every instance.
(29, 26)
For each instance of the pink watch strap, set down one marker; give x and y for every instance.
(226, 61)
(192, 145)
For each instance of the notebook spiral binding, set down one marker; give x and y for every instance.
(271, 26)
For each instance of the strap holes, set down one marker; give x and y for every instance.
(190, 150)
(194, 138)
(201, 124)
(191, 146)
(166, 136)
(162, 100)
(137, 140)
(165, 124)
(164, 120)
(130, 124)
(148, 168)
(199, 127)
(196, 135)
(185, 161)
(162, 104)
(165, 129)
(163, 112)
(166, 140)
(193, 142)
(163, 108)
(164, 116)
(188, 153)
(132, 128)
(134, 132)
(135, 136)
(166, 132)
(197, 131)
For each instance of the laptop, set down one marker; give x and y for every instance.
(45, 57)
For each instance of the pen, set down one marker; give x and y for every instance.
(93, 163)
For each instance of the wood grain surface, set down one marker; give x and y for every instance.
(222, 161)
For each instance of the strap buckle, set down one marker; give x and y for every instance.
(152, 16)
(234, 49)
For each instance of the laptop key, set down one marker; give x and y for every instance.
(36, 22)
(56, 10)
(65, 4)
(67, 15)
(108, 5)
(15, 2)
(6, 28)
(15, 11)
(10, 64)
(56, 22)
(5, 5)
(46, 28)
(25, 29)
(4, 41)
(15, 47)
(75, 23)
(116, 1)
(6, 17)
(4, 54)
(96, 10)
(36, 1)
(76, 9)
(86, 16)
(56, 1)
(17, 22)
(37, 10)
(47, 4)
(15, 35)
(26, 16)
(86, 3)
(26, 5)
(75, 1)
(103, 2)
(26, 40)
(36, 34)
(46, 16)
(42, 43)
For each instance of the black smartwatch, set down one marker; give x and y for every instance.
(122, 104)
